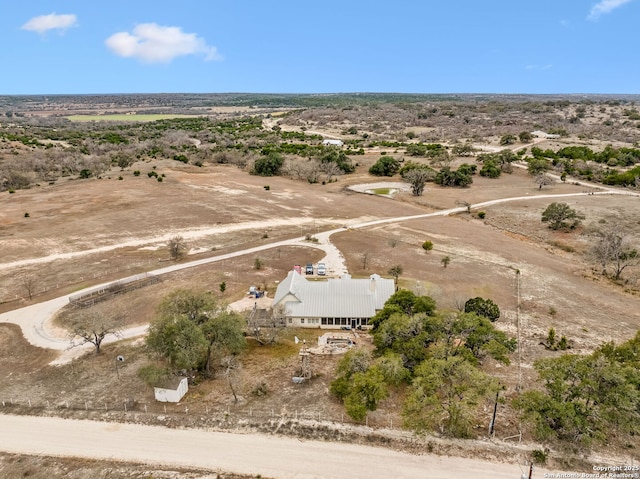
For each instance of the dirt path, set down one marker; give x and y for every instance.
(163, 239)
(254, 454)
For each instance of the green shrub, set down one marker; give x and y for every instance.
(482, 307)
(136, 173)
(269, 165)
(490, 169)
(385, 166)
(539, 456)
(427, 245)
(481, 214)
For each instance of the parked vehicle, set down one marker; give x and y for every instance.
(322, 269)
(298, 269)
(309, 269)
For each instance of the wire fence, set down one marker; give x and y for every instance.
(22, 292)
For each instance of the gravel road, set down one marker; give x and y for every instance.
(269, 456)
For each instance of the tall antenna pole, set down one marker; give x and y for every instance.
(518, 326)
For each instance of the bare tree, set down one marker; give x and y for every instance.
(543, 180)
(267, 330)
(94, 326)
(396, 271)
(393, 242)
(312, 171)
(330, 169)
(417, 178)
(459, 301)
(464, 203)
(231, 367)
(365, 258)
(177, 247)
(29, 283)
(614, 250)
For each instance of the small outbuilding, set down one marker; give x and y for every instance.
(173, 390)
(332, 143)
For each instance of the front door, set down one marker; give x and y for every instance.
(353, 324)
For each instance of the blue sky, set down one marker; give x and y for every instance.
(283, 46)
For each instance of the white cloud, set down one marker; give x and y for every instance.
(605, 6)
(44, 23)
(153, 43)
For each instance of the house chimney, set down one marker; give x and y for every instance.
(372, 282)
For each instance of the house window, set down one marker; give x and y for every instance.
(301, 320)
(290, 320)
(324, 321)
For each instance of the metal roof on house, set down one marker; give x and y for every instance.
(335, 298)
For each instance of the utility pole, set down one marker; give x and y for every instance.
(493, 419)
(518, 326)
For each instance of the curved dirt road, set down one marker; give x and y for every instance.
(252, 454)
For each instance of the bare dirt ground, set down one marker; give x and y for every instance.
(81, 215)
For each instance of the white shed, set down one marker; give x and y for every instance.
(175, 390)
(332, 142)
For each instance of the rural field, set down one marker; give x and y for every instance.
(100, 198)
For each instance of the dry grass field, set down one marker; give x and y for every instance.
(83, 232)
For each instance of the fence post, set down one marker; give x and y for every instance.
(125, 406)
(105, 407)
(29, 402)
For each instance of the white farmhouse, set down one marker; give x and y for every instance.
(336, 303)
(543, 134)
